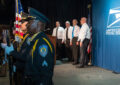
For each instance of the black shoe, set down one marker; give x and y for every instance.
(115, 72)
(75, 63)
(69, 60)
(80, 66)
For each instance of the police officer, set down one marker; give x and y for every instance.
(39, 62)
(18, 55)
(18, 51)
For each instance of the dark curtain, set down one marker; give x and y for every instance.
(60, 10)
(7, 11)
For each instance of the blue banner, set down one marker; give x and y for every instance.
(106, 34)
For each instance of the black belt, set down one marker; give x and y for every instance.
(67, 39)
(75, 37)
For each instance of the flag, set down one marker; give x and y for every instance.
(89, 20)
(89, 24)
(19, 11)
(90, 43)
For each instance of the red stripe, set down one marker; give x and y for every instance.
(21, 34)
(17, 32)
(16, 18)
(17, 26)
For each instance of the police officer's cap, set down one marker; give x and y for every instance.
(25, 17)
(37, 15)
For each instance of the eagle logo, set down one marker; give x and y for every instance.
(114, 18)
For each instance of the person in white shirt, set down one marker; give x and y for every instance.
(58, 32)
(67, 38)
(75, 33)
(84, 38)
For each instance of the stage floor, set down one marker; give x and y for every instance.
(67, 74)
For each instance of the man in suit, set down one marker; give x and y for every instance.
(67, 39)
(58, 32)
(75, 33)
(84, 38)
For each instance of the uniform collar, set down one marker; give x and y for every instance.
(58, 27)
(84, 24)
(68, 27)
(75, 25)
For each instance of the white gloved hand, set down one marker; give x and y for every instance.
(8, 49)
(3, 45)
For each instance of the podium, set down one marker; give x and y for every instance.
(53, 40)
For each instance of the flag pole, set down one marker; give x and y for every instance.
(90, 44)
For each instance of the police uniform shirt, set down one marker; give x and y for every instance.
(40, 59)
(69, 34)
(75, 31)
(84, 33)
(58, 32)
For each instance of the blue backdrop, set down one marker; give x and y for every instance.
(106, 34)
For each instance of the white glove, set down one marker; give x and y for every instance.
(9, 49)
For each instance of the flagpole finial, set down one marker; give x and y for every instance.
(89, 6)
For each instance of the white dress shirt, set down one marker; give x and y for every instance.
(69, 34)
(60, 32)
(84, 33)
(76, 31)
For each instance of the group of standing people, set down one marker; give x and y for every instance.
(76, 40)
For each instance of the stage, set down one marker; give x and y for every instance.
(67, 74)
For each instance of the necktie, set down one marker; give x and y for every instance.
(56, 32)
(67, 34)
(73, 32)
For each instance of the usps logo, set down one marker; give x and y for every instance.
(113, 24)
(114, 18)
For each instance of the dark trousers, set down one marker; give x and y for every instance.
(38, 81)
(19, 78)
(59, 49)
(68, 50)
(75, 49)
(84, 53)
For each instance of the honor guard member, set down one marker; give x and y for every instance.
(84, 38)
(18, 51)
(58, 32)
(40, 53)
(75, 33)
(67, 39)
(20, 59)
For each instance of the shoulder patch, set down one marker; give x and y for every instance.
(43, 50)
(44, 64)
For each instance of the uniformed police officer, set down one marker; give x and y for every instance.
(39, 62)
(20, 59)
(17, 54)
